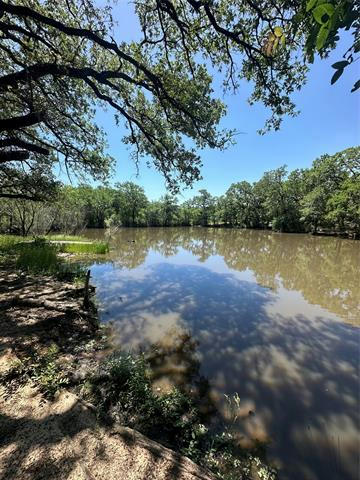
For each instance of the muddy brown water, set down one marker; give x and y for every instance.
(273, 318)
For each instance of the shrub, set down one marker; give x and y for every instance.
(41, 257)
(46, 372)
(122, 388)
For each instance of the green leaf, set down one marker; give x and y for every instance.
(310, 4)
(356, 86)
(321, 10)
(278, 31)
(341, 64)
(337, 75)
(322, 36)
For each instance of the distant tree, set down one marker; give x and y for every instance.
(344, 206)
(186, 213)
(332, 190)
(204, 203)
(132, 201)
(153, 214)
(70, 210)
(239, 204)
(280, 199)
(169, 210)
(98, 204)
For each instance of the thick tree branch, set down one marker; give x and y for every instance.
(17, 142)
(15, 123)
(27, 12)
(39, 70)
(13, 155)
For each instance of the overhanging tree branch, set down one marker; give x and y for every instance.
(15, 123)
(13, 155)
(16, 142)
(39, 70)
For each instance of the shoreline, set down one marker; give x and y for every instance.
(54, 347)
(345, 235)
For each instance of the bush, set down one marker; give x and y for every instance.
(46, 372)
(122, 388)
(41, 257)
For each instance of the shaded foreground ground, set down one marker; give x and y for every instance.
(61, 438)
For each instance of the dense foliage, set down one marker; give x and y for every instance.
(61, 60)
(326, 196)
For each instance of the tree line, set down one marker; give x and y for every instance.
(325, 196)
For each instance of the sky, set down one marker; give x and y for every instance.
(329, 121)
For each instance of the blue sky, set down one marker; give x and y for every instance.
(329, 122)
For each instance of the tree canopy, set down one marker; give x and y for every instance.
(59, 62)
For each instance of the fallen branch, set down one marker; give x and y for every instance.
(29, 302)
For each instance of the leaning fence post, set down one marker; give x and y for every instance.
(86, 302)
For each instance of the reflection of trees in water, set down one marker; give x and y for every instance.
(325, 270)
(130, 248)
(174, 362)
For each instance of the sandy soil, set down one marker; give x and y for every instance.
(62, 440)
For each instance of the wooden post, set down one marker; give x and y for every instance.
(86, 302)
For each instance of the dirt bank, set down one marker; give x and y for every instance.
(62, 440)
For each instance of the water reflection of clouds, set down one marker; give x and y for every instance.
(290, 363)
(325, 270)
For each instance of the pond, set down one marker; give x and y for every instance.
(271, 317)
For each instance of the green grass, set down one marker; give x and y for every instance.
(42, 257)
(9, 242)
(64, 237)
(89, 248)
(38, 257)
